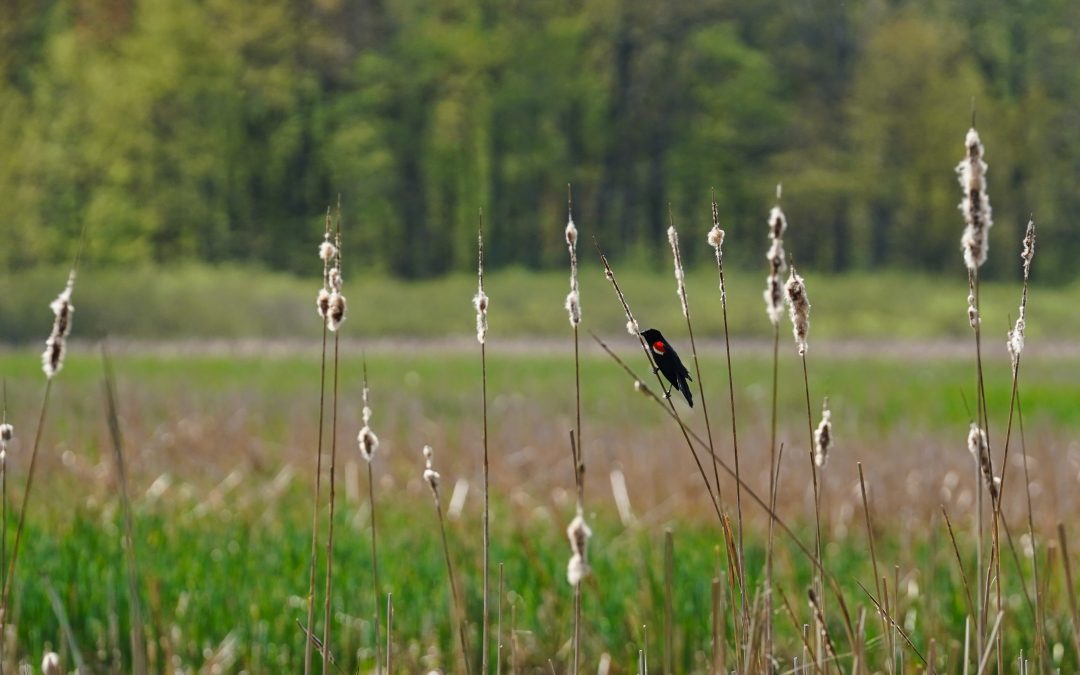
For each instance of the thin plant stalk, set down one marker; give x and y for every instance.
(330, 521)
(313, 564)
(317, 501)
(498, 632)
(368, 453)
(817, 493)
(772, 492)
(389, 632)
(716, 239)
(138, 630)
(873, 551)
(327, 630)
(573, 306)
(455, 599)
(375, 566)
(10, 577)
(481, 299)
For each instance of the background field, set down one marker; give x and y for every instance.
(221, 451)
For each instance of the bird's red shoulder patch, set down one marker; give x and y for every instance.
(658, 347)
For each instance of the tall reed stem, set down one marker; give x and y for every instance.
(330, 524)
(9, 580)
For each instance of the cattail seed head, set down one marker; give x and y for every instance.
(335, 280)
(716, 238)
(6, 432)
(327, 251)
(573, 299)
(431, 476)
(973, 311)
(50, 665)
(578, 533)
(980, 448)
(573, 307)
(1015, 342)
(774, 292)
(823, 437)
(680, 276)
(632, 327)
(1028, 254)
(368, 442)
(480, 302)
(975, 204)
(799, 306)
(335, 312)
(322, 303)
(52, 359)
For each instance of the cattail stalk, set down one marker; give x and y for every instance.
(432, 478)
(480, 302)
(799, 309)
(774, 308)
(334, 319)
(680, 289)
(138, 631)
(368, 443)
(977, 214)
(573, 308)
(327, 252)
(716, 240)
(7, 432)
(52, 362)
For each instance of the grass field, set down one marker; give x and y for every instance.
(222, 462)
(231, 302)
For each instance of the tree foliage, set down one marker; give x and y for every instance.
(216, 130)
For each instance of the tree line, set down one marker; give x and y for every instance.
(214, 130)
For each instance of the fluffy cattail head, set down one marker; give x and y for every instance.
(680, 276)
(50, 665)
(973, 311)
(1028, 254)
(799, 306)
(431, 476)
(774, 290)
(334, 279)
(480, 302)
(823, 438)
(368, 442)
(716, 238)
(777, 223)
(980, 448)
(578, 533)
(52, 359)
(6, 433)
(573, 307)
(327, 251)
(335, 311)
(322, 303)
(573, 298)
(632, 327)
(975, 204)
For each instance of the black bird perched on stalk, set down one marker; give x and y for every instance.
(668, 362)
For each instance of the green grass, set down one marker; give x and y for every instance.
(230, 302)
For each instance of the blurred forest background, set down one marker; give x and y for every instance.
(216, 130)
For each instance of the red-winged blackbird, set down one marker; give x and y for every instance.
(668, 362)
